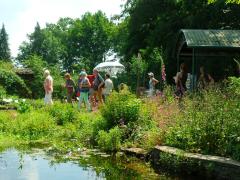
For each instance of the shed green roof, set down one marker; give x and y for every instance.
(212, 38)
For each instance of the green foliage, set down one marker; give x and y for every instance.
(31, 126)
(2, 92)
(234, 86)
(4, 48)
(157, 23)
(227, 1)
(36, 64)
(63, 113)
(42, 43)
(23, 106)
(88, 126)
(138, 65)
(110, 141)
(71, 42)
(13, 84)
(209, 123)
(122, 106)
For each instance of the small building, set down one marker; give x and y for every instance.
(26, 74)
(203, 47)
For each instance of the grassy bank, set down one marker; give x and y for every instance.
(206, 122)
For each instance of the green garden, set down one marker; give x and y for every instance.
(205, 121)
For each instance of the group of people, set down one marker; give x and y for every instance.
(204, 80)
(93, 88)
(182, 81)
(90, 89)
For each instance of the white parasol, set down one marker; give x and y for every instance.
(111, 67)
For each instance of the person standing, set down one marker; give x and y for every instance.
(205, 79)
(108, 86)
(48, 87)
(180, 80)
(92, 98)
(98, 84)
(84, 86)
(69, 85)
(152, 84)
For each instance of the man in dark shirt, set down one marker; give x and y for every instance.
(98, 84)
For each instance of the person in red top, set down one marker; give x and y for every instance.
(91, 91)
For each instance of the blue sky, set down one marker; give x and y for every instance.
(21, 16)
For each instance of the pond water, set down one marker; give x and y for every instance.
(39, 165)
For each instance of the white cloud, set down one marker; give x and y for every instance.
(49, 11)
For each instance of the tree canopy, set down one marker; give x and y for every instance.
(80, 42)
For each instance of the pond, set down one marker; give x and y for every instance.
(37, 164)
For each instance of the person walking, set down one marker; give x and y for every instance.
(152, 84)
(84, 86)
(108, 86)
(69, 85)
(180, 80)
(92, 97)
(98, 84)
(48, 87)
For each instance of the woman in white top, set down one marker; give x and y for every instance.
(108, 86)
(48, 87)
(152, 84)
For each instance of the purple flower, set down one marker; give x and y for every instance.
(163, 73)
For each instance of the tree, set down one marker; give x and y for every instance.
(91, 37)
(4, 48)
(43, 43)
(156, 23)
(71, 43)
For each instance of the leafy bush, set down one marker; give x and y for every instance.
(63, 113)
(122, 106)
(13, 84)
(36, 103)
(2, 92)
(23, 106)
(234, 86)
(36, 64)
(89, 125)
(110, 141)
(32, 126)
(209, 123)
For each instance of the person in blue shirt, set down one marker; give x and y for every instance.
(84, 86)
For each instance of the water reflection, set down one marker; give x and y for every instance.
(38, 165)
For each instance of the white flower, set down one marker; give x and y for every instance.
(8, 100)
(238, 139)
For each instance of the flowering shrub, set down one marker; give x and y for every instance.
(209, 123)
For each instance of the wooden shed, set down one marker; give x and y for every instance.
(195, 44)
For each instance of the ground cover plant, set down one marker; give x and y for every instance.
(209, 122)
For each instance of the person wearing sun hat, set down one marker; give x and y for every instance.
(84, 86)
(152, 84)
